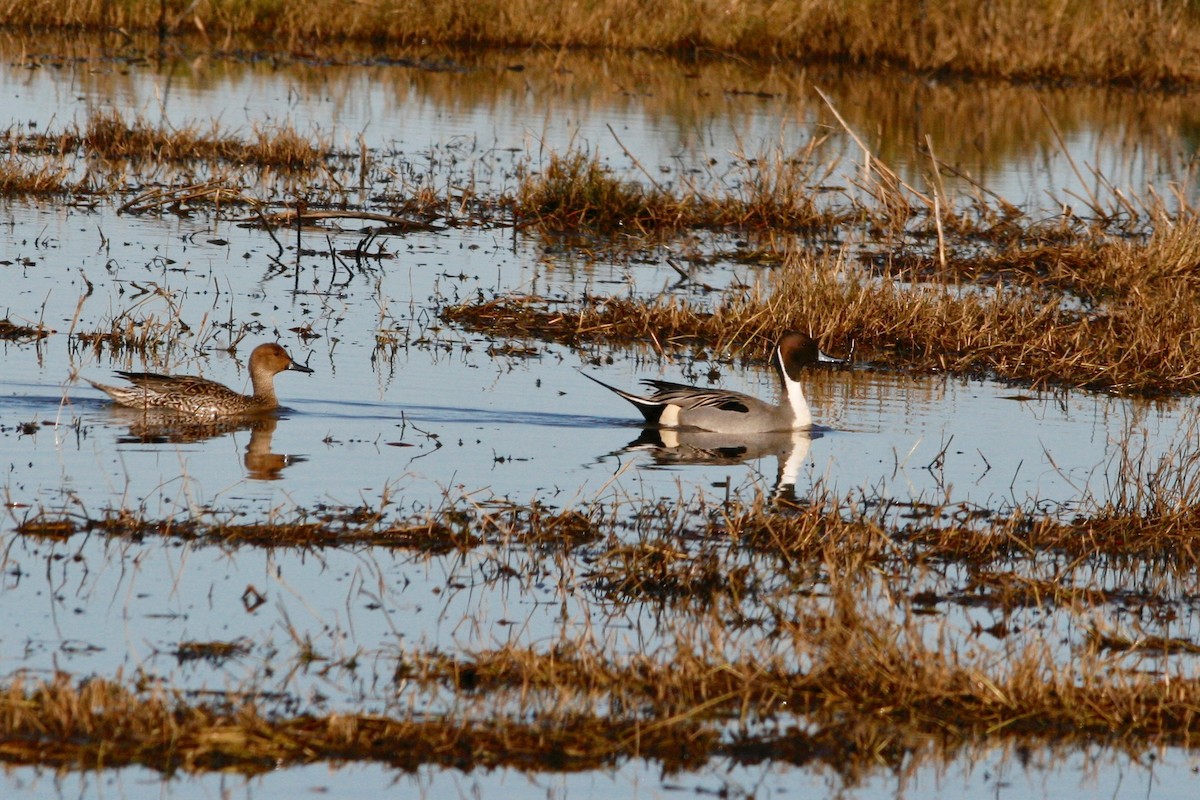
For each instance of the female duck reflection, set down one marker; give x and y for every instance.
(187, 408)
(158, 426)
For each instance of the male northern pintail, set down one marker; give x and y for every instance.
(201, 397)
(676, 405)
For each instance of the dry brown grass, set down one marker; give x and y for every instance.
(1117, 315)
(814, 619)
(98, 723)
(1144, 43)
(14, 332)
(20, 177)
(109, 152)
(575, 191)
(450, 530)
(133, 333)
(871, 695)
(109, 135)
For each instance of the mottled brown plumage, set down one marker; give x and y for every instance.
(201, 397)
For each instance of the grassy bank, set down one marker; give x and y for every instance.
(1096, 40)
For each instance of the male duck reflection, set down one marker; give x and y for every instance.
(202, 398)
(676, 405)
(671, 447)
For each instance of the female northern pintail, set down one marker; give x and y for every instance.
(201, 397)
(676, 405)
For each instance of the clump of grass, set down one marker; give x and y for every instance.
(109, 135)
(100, 723)
(774, 195)
(131, 334)
(576, 190)
(213, 652)
(15, 332)
(19, 178)
(1094, 267)
(184, 199)
(447, 530)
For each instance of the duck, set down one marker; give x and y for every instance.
(678, 405)
(202, 398)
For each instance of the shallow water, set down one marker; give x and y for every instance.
(443, 415)
(988, 774)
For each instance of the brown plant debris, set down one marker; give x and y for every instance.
(12, 331)
(1135, 330)
(109, 135)
(868, 685)
(575, 191)
(446, 531)
(1142, 43)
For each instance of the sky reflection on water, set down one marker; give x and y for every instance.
(442, 418)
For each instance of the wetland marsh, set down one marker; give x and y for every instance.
(452, 565)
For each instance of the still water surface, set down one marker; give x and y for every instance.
(444, 415)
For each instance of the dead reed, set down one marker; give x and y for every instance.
(1152, 43)
(97, 723)
(451, 530)
(1114, 315)
(870, 695)
(24, 177)
(648, 554)
(130, 333)
(109, 135)
(576, 191)
(14, 332)
(796, 633)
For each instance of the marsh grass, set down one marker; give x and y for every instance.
(130, 333)
(871, 694)
(1109, 305)
(21, 177)
(109, 135)
(649, 552)
(213, 652)
(16, 332)
(183, 199)
(575, 191)
(452, 530)
(1154, 43)
(1131, 328)
(806, 632)
(820, 630)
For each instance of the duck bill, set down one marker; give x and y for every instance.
(300, 368)
(825, 358)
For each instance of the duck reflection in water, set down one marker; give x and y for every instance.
(163, 426)
(671, 447)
